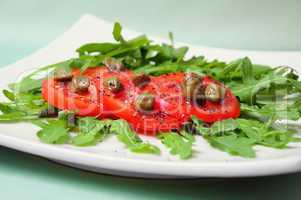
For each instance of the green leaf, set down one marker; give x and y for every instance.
(280, 111)
(89, 61)
(218, 127)
(178, 145)
(200, 126)
(16, 116)
(276, 110)
(91, 131)
(171, 38)
(117, 32)
(54, 133)
(29, 83)
(131, 139)
(10, 95)
(188, 136)
(247, 92)
(247, 70)
(234, 145)
(101, 48)
(7, 108)
(276, 138)
(223, 126)
(130, 46)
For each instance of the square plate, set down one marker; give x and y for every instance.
(110, 156)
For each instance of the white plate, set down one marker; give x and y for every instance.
(110, 156)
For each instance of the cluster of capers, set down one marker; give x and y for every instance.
(144, 102)
(78, 84)
(194, 90)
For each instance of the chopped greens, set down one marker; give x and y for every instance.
(266, 94)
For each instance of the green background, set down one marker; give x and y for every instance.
(26, 26)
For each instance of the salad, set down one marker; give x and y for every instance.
(135, 87)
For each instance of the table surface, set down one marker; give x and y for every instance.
(27, 27)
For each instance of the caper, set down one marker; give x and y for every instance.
(80, 83)
(141, 80)
(214, 92)
(50, 111)
(62, 74)
(113, 64)
(192, 87)
(113, 84)
(145, 102)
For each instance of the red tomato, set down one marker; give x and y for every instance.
(170, 108)
(209, 111)
(61, 95)
(123, 104)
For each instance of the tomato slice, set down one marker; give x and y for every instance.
(61, 95)
(209, 111)
(123, 105)
(170, 111)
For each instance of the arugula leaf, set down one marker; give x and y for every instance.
(217, 128)
(129, 46)
(131, 139)
(171, 38)
(90, 61)
(276, 110)
(233, 144)
(16, 116)
(10, 95)
(188, 136)
(248, 92)
(276, 138)
(231, 135)
(223, 126)
(117, 32)
(247, 70)
(29, 83)
(280, 111)
(252, 129)
(54, 133)
(7, 108)
(178, 145)
(91, 131)
(101, 48)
